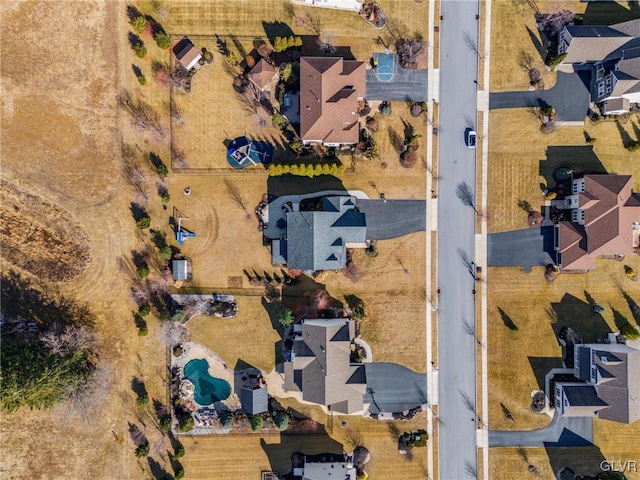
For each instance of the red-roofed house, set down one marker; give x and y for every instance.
(330, 88)
(186, 53)
(604, 213)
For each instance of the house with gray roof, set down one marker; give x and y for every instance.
(254, 400)
(611, 56)
(609, 385)
(318, 240)
(320, 366)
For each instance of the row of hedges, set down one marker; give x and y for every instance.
(311, 170)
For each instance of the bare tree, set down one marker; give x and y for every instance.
(86, 399)
(326, 43)
(171, 333)
(159, 8)
(236, 196)
(470, 330)
(470, 469)
(468, 403)
(143, 116)
(176, 113)
(465, 195)
(553, 22)
(525, 60)
(178, 158)
(432, 172)
(133, 170)
(472, 44)
(313, 23)
(64, 339)
(353, 438)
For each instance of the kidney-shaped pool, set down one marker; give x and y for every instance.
(208, 389)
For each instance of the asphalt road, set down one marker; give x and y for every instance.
(456, 235)
(393, 218)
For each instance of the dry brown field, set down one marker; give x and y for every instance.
(61, 140)
(521, 157)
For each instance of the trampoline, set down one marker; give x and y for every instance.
(385, 64)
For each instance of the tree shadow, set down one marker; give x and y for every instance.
(579, 158)
(137, 436)
(138, 387)
(633, 305)
(636, 129)
(409, 130)
(133, 12)
(542, 51)
(276, 29)
(138, 211)
(618, 318)
(298, 185)
(134, 40)
(585, 459)
(624, 135)
(136, 70)
(607, 13)
(279, 454)
(158, 472)
(506, 319)
(395, 139)
(160, 408)
(541, 366)
(577, 314)
(19, 298)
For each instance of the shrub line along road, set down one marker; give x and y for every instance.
(456, 240)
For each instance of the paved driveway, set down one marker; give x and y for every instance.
(394, 388)
(406, 84)
(561, 432)
(393, 218)
(521, 248)
(569, 96)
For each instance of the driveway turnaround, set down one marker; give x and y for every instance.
(394, 388)
(392, 218)
(561, 432)
(569, 96)
(521, 248)
(405, 84)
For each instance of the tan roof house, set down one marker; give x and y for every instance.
(611, 55)
(262, 74)
(604, 213)
(330, 88)
(608, 387)
(321, 368)
(186, 53)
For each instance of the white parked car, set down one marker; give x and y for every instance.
(470, 137)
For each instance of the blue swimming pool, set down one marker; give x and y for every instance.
(208, 389)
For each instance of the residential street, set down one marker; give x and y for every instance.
(456, 239)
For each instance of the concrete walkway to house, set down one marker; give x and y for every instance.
(393, 218)
(569, 96)
(561, 432)
(524, 248)
(405, 84)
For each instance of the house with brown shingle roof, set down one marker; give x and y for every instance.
(330, 88)
(186, 53)
(262, 74)
(611, 56)
(604, 212)
(320, 366)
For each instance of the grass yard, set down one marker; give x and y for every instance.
(274, 451)
(508, 463)
(513, 23)
(519, 359)
(252, 325)
(521, 157)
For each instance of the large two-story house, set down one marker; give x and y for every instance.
(604, 212)
(320, 365)
(330, 88)
(609, 385)
(612, 56)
